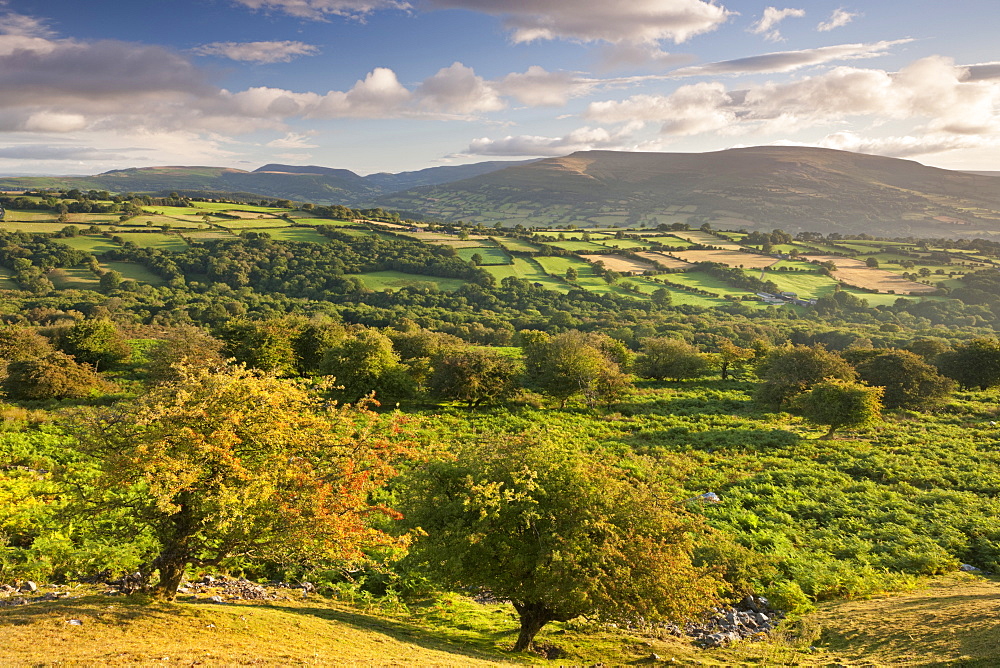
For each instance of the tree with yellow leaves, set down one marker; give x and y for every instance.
(243, 464)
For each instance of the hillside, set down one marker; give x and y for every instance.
(792, 188)
(320, 185)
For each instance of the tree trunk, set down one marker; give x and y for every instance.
(828, 435)
(171, 564)
(533, 617)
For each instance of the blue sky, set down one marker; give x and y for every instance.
(395, 85)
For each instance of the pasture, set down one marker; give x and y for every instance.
(856, 272)
(730, 258)
(154, 240)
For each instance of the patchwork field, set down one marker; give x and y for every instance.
(489, 254)
(856, 272)
(729, 258)
(619, 263)
(665, 260)
(154, 240)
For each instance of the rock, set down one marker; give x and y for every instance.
(74, 622)
(968, 568)
(29, 586)
(208, 579)
(654, 657)
(216, 599)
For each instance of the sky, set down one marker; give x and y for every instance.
(396, 85)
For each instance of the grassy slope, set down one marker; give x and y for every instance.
(950, 621)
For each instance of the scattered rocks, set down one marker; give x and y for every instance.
(751, 618)
(29, 586)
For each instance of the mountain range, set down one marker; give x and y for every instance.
(792, 188)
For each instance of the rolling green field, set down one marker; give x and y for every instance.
(490, 254)
(251, 223)
(74, 278)
(529, 270)
(90, 243)
(518, 245)
(135, 272)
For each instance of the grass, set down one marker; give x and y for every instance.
(527, 269)
(314, 631)
(90, 243)
(249, 223)
(6, 280)
(952, 621)
(135, 272)
(394, 280)
(74, 278)
(490, 255)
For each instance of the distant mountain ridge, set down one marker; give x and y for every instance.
(306, 183)
(793, 188)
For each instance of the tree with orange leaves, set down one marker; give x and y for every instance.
(243, 464)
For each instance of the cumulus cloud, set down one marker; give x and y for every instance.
(538, 87)
(639, 21)
(581, 139)
(258, 52)
(767, 25)
(840, 18)
(457, 89)
(320, 9)
(788, 61)
(933, 91)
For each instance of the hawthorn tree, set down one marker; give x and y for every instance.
(663, 357)
(475, 376)
(973, 364)
(572, 363)
(558, 532)
(838, 404)
(909, 382)
(790, 371)
(219, 466)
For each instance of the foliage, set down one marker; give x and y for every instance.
(573, 363)
(838, 404)
(558, 532)
(231, 464)
(365, 362)
(54, 375)
(973, 364)
(95, 341)
(260, 344)
(184, 348)
(790, 371)
(907, 380)
(475, 376)
(663, 358)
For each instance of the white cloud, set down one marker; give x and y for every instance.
(320, 9)
(581, 139)
(292, 140)
(932, 91)
(258, 52)
(538, 87)
(904, 146)
(788, 61)
(457, 90)
(378, 95)
(639, 21)
(690, 110)
(840, 18)
(767, 25)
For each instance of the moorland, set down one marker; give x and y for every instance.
(230, 420)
